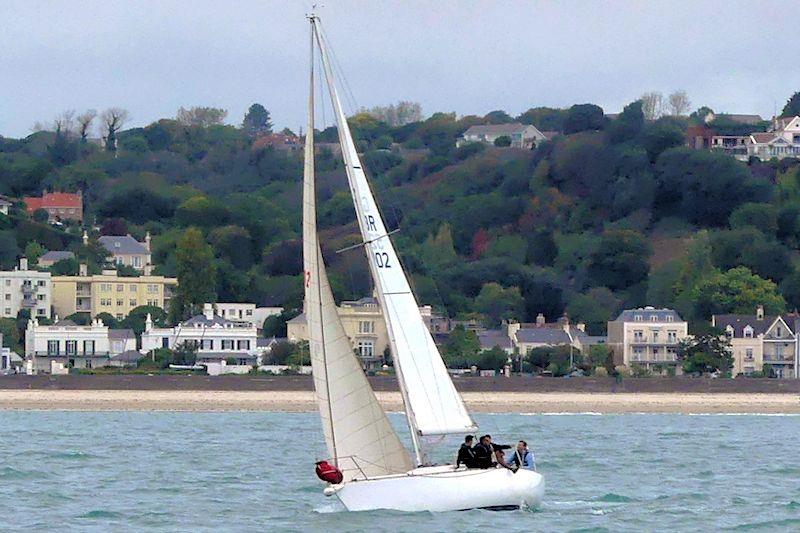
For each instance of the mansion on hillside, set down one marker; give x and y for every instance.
(780, 141)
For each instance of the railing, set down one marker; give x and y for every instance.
(62, 353)
(775, 359)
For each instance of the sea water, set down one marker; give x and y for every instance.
(161, 471)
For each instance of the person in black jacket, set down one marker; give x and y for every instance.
(484, 452)
(466, 456)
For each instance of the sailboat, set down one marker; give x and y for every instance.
(377, 470)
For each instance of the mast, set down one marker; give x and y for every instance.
(344, 138)
(309, 165)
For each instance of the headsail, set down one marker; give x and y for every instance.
(432, 402)
(357, 432)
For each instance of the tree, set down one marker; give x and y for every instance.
(114, 226)
(700, 116)
(498, 117)
(10, 333)
(652, 105)
(493, 359)
(792, 107)
(137, 317)
(542, 248)
(628, 124)
(108, 319)
(113, 119)
(201, 117)
(503, 141)
(678, 103)
(65, 267)
(9, 251)
(620, 259)
(498, 303)
(760, 216)
(555, 359)
(33, 251)
(736, 291)
(706, 354)
(257, 120)
(462, 348)
(399, 114)
(196, 275)
(584, 117)
(594, 308)
(41, 215)
(85, 120)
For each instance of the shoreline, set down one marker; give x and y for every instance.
(478, 402)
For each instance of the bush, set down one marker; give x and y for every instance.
(503, 141)
(601, 372)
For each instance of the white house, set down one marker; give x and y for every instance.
(74, 346)
(782, 141)
(521, 135)
(4, 205)
(215, 338)
(246, 312)
(25, 289)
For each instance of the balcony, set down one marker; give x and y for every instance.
(62, 353)
(646, 342)
(778, 359)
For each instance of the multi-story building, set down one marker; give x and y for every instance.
(647, 336)
(59, 205)
(125, 250)
(74, 346)
(246, 312)
(759, 341)
(109, 293)
(214, 337)
(25, 289)
(782, 141)
(521, 135)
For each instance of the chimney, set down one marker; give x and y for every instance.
(85, 238)
(581, 326)
(147, 241)
(83, 270)
(148, 323)
(208, 311)
(760, 312)
(540, 320)
(23, 263)
(148, 270)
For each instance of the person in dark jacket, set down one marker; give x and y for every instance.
(484, 452)
(466, 456)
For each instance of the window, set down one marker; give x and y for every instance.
(243, 345)
(152, 289)
(165, 342)
(207, 344)
(748, 332)
(52, 347)
(249, 312)
(8, 297)
(8, 283)
(366, 327)
(670, 318)
(638, 335)
(42, 283)
(133, 303)
(779, 331)
(227, 344)
(41, 311)
(88, 347)
(729, 331)
(40, 297)
(366, 348)
(105, 287)
(7, 311)
(88, 363)
(120, 316)
(120, 287)
(638, 351)
(132, 287)
(638, 318)
(672, 336)
(748, 354)
(137, 261)
(653, 318)
(655, 336)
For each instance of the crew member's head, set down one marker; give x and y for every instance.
(522, 445)
(468, 440)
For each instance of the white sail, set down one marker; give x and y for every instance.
(358, 434)
(433, 405)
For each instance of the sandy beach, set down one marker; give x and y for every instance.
(299, 401)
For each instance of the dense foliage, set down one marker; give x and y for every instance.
(612, 214)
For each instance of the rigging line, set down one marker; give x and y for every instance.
(339, 72)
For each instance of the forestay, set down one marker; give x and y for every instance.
(433, 404)
(357, 432)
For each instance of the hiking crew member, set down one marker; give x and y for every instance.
(523, 457)
(483, 452)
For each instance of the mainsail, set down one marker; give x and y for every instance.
(433, 405)
(357, 432)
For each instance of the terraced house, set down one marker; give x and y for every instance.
(648, 337)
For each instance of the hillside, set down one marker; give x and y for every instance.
(610, 214)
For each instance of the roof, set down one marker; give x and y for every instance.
(763, 138)
(57, 255)
(741, 119)
(123, 244)
(129, 356)
(266, 343)
(4, 202)
(549, 135)
(53, 199)
(494, 338)
(496, 129)
(760, 327)
(549, 336)
(217, 320)
(647, 314)
(299, 319)
(118, 334)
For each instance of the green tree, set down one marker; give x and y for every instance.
(706, 354)
(108, 319)
(628, 124)
(65, 267)
(494, 359)
(792, 107)
(594, 308)
(620, 259)
(760, 216)
(41, 215)
(498, 303)
(201, 117)
(138, 316)
(736, 291)
(257, 120)
(542, 248)
(11, 336)
(196, 275)
(584, 117)
(33, 251)
(503, 141)
(9, 251)
(462, 348)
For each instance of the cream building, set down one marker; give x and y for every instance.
(364, 325)
(215, 338)
(758, 340)
(109, 293)
(246, 312)
(25, 289)
(74, 346)
(647, 336)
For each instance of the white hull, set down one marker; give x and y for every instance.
(443, 489)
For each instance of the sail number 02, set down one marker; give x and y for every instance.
(382, 260)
